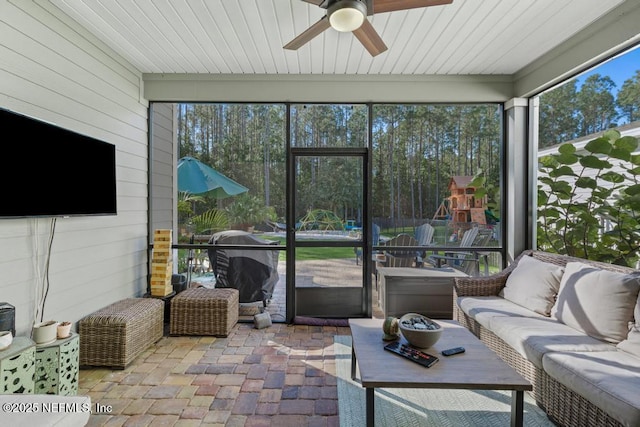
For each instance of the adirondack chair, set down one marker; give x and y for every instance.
(465, 261)
(469, 237)
(400, 258)
(424, 236)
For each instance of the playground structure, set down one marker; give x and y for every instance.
(320, 220)
(462, 204)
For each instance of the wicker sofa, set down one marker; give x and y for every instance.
(573, 332)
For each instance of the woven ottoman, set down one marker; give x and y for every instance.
(202, 311)
(116, 334)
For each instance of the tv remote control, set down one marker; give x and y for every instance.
(452, 351)
(412, 354)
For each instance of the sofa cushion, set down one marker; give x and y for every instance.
(610, 380)
(632, 343)
(533, 337)
(482, 309)
(533, 284)
(597, 302)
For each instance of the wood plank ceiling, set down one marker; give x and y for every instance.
(247, 36)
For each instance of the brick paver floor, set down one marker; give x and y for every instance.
(284, 375)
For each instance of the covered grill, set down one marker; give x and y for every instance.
(253, 272)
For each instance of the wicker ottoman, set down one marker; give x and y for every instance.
(202, 311)
(115, 335)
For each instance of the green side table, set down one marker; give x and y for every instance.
(17, 367)
(57, 367)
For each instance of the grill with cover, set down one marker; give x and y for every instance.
(253, 272)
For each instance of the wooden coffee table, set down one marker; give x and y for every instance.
(478, 368)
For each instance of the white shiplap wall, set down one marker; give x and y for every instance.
(52, 69)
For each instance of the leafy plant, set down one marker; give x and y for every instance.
(186, 202)
(210, 221)
(247, 210)
(484, 187)
(589, 203)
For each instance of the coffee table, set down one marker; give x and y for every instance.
(478, 368)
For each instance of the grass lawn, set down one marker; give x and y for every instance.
(307, 254)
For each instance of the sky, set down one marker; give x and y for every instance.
(618, 69)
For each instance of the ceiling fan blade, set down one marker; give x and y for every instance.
(381, 6)
(370, 38)
(309, 34)
(316, 2)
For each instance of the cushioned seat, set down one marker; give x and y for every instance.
(608, 379)
(534, 337)
(483, 309)
(579, 345)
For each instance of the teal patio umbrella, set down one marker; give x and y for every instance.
(196, 177)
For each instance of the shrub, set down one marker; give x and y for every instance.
(589, 201)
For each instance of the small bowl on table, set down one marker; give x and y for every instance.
(419, 330)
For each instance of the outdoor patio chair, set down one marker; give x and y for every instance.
(403, 257)
(424, 236)
(466, 261)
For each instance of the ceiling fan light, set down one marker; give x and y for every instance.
(347, 15)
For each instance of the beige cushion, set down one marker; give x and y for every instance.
(632, 343)
(533, 337)
(597, 302)
(608, 379)
(533, 284)
(483, 309)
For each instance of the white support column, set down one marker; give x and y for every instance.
(517, 178)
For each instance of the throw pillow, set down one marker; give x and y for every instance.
(632, 343)
(597, 302)
(533, 284)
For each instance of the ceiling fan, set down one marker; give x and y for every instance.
(351, 15)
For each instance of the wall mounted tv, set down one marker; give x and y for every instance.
(48, 171)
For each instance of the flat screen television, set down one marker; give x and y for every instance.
(48, 171)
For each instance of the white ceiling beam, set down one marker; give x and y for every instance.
(326, 88)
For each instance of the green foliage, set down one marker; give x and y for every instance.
(486, 187)
(569, 112)
(416, 150)
(628, 99)
(596, 104)
(247, 210)
(210, 222)
(591, 210)
(186, 202)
